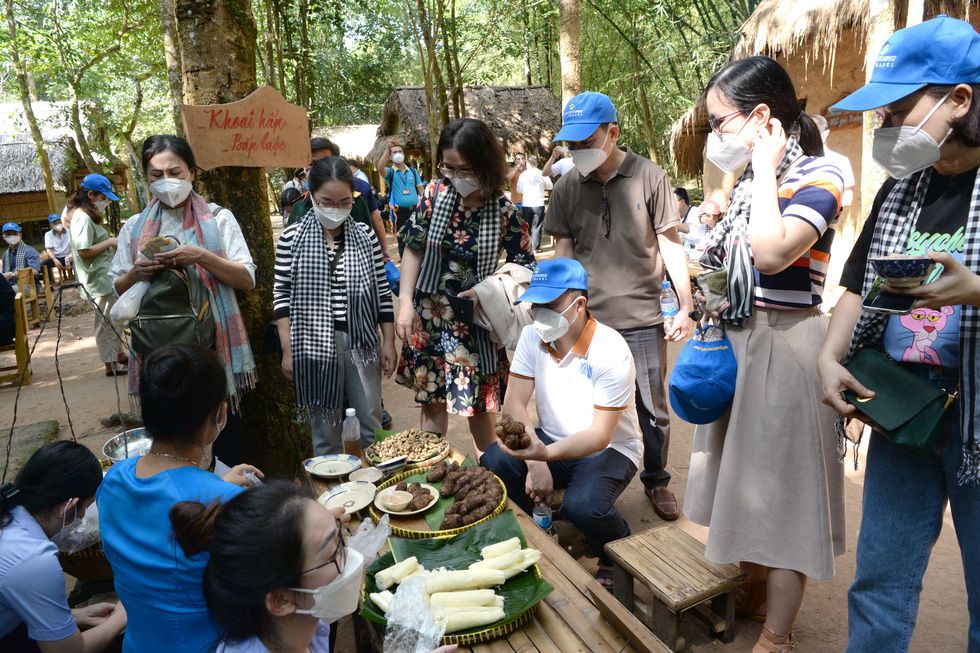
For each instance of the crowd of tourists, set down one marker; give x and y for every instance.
(588, 336)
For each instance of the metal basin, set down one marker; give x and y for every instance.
(128, 444)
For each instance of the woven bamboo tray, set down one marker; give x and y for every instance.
(416, 527)
(87, 564)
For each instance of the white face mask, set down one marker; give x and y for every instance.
(398, 157)
(101, 205)
(58, 228)
(728, 151)
(331, 218)
(902, 151)
(171, 191)
(465, 187)
(67, 528)
(338, 598)
(13, 241)
(551, 325)
(588, 160)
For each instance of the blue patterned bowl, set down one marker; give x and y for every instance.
(903, 271)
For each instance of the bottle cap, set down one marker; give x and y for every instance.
(350, 412)
(665, 285)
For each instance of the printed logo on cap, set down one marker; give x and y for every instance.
(885, 61)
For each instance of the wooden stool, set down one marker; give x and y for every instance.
(17, 371)
(25, 282)
(672, 565)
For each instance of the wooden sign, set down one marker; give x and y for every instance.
(261, 131)
(838, 119)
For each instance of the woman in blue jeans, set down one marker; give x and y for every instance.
(929, 144)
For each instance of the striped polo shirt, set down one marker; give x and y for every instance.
(811, 191)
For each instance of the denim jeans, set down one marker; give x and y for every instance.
(649, 351)
(905, 497)
(592, 485)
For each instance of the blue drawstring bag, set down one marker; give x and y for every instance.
(394, 277)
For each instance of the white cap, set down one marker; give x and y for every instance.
(350, 412)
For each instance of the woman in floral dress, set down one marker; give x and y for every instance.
(453, 240)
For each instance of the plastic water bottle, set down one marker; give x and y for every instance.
(668, 305)
(352, 434)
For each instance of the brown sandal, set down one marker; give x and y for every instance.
(750, 599)
(770, 642)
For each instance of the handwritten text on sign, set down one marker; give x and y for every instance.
(261, 131)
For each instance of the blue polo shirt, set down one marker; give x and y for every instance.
(32, 584)
(161, 588)
(398, 182)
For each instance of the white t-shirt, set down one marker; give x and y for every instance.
(532, 185)
(597, 374)
(843, 163)
(562, 166)
(57, 243)
(698, 230)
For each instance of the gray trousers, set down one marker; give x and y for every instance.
(650, 357)
(362, 386)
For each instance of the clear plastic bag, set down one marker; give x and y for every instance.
(84, 535)
(412, 626)
(127, 306)
(369, 538)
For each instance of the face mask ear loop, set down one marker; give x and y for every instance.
(931, 113)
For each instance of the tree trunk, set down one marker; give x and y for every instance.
(270, 44)
(172, 54)
(303, 65)
(277, 13)
(80, 139)
(217, 48)
(25, 98)
(134, 160)
(527, 46)
(569, 49)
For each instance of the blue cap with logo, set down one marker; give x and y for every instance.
(552, 278)
(10, 226)
(53, 217)
(943, 50)
(583, 114)
(702, 382)
(100, 184)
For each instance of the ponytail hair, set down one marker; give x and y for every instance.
(57, 472)
(260, 530)
(747, 83)
(80, 200)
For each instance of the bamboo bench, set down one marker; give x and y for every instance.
(672, 565)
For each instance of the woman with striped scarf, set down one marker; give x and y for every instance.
(929, 142)
(330, 296)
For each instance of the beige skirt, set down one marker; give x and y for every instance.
(765, 477)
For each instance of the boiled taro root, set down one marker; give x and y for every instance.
(451, 522)
(437, 473)
(513, 434)
(421, 500)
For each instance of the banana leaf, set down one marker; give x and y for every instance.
(521, 593)
(380, 435)
(435, 514)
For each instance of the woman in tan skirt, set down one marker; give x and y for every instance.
(765, 477)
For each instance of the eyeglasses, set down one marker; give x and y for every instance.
(716, 123)
(339, 558)
(457, 174)
(346, 204)
(605, 213)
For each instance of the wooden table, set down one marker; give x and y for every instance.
(580, 615)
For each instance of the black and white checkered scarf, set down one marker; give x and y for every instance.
(488, 253)
(898, 215)
(311, 316)
(728, 244)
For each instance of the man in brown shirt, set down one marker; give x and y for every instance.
(615, 213)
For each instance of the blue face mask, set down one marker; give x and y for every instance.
(306, 185)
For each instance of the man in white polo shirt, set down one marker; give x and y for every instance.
(583, 379)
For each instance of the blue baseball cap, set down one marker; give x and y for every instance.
(583, 114)
(702, 382)
(100, 184)
(10, 226)
(552, 278)
(53, 217)
(943, 50)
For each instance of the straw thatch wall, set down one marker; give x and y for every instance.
(354, 141)
(524, 118)
(20, 170)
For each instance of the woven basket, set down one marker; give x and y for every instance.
(88, 564)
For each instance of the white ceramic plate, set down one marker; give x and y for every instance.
(332, 465)
(352, 496)
(405, 513)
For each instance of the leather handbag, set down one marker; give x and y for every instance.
(907, 409)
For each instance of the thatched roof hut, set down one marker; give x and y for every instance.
(524, 118)
(354, 141)
(20, 169)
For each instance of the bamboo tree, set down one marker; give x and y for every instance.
(25, 99)
(172, 55)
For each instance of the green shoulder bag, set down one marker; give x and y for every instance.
(175, 309)
(906, 408)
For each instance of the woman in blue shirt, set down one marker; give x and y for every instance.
(183, 396)
(50, 493)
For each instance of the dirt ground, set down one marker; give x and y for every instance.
(822, 623)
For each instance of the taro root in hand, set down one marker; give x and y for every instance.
(513, 434)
